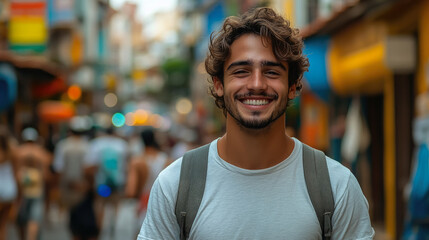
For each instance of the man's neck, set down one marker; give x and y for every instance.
(255, 149)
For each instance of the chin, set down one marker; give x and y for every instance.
(255, 123)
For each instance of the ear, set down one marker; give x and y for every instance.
(292, 92)
(218, 86)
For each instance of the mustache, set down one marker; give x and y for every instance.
(252, 94)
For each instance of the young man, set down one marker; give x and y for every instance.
(255, 186)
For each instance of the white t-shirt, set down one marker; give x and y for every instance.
(69, 150)
(271, 203)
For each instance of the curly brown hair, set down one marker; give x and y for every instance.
(265, 22)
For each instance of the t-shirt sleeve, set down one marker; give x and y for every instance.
(160, 221)
(351, 217)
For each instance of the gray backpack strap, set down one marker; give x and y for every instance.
(191, 188)
(319, 188)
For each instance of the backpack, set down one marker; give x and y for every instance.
(193, 179)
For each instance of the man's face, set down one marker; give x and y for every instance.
(255, 87)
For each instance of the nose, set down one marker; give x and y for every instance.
(257, 82)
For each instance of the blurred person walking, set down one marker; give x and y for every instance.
(144, 170)
(8, 181)
(107, 159)
(34, 161)
(76, 185)
(253, 177)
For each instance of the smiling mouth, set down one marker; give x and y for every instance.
(252, 99)
(255, 102)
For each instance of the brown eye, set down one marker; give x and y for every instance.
(241, 73)
(272, 73)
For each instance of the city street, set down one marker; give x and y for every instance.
(99, 97)
(52, 231)
(56, 228)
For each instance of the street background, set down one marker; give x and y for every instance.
(93, 66)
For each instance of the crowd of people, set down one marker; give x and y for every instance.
(83, 175)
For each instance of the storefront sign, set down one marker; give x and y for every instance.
(27, 26)
(359, 66)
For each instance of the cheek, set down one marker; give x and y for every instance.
(280, 88)
(236, 86)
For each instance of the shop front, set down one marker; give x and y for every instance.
(377, 66)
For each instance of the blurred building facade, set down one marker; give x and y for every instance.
(49, 46)
(368, 67)
(60, 58)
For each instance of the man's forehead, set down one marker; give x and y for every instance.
(253, 49)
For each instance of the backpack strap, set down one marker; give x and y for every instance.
(319, 187)
(191, 188)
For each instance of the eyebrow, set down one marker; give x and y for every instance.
(250, 63)
(240, 63)
(273, 64)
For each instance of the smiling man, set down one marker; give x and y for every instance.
(256, 78)
(255, 185)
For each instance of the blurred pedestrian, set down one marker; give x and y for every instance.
(144, 169)
(8, 181)
(107, 159)
(34, 163)
(255, 186)
(75, 184)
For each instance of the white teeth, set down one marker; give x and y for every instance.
(255, 102)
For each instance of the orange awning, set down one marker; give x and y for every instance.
(55, 111)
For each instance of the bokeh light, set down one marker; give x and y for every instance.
(155, 120)
(141, 116)
(74, 92)
(110, 100)
(184, 106)
(130, 120)
(104, 190)
(118, 119)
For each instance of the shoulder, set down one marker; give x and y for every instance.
(168, 179)
(340, 176)
(96, 143)
(61, 143)
(138, 162)
(343, 182)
